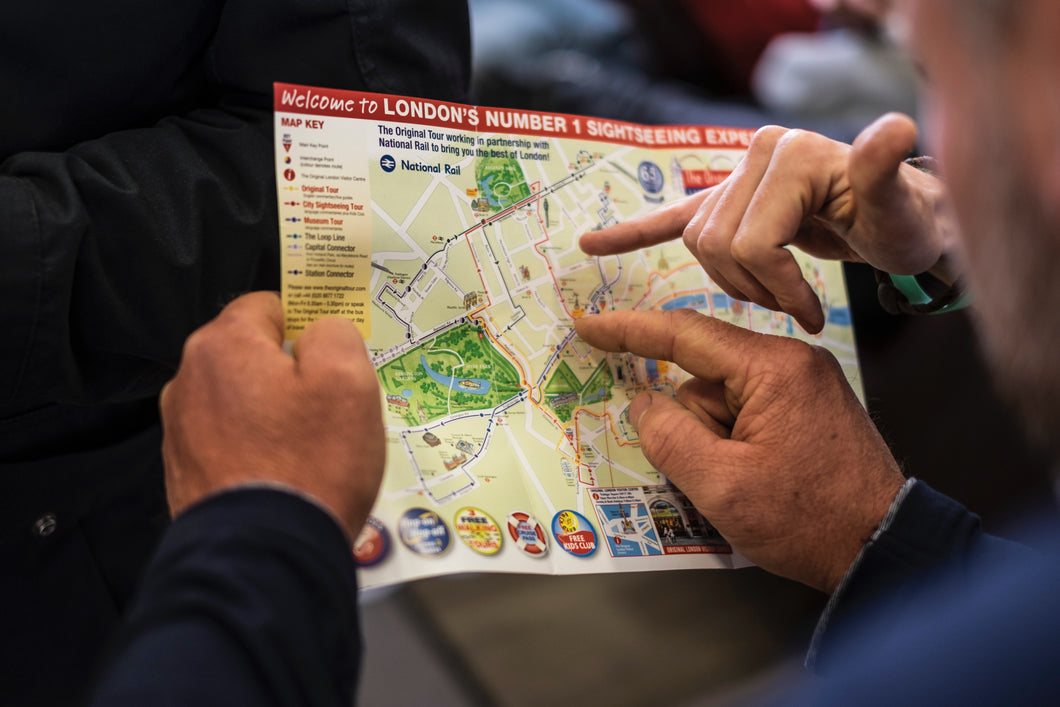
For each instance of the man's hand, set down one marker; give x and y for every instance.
(240, 410)
(767, 440)
(831, 200)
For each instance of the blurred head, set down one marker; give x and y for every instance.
(993, 119)
(874, 9)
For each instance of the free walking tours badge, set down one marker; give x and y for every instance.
(478, 530)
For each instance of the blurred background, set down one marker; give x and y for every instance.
(697, 637)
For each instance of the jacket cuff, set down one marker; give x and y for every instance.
(841, 589)
(923, 533)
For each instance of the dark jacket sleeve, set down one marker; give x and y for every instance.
(929, 537)
(117, 247)
(250, 600)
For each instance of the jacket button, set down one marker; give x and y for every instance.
(45, 525)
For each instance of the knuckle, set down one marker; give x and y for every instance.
(203, 344)
(802, 151)
(714, 249)
(792, 355)
(795, 139)
(352, 379)
(825, 361)
(682, 319)
(166, 401)
(745, 248)
(766, 136)
(800, 353)
(366, 385)
(710, 245)
(808, 358)
(690, 236)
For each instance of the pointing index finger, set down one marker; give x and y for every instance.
(664, 224)
(703, 346)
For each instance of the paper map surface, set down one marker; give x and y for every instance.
(449, 233)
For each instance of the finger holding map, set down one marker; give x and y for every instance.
(794, 490)
(240, 411)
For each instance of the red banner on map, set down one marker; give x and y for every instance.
(324, 102)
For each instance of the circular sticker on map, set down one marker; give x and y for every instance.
(527, 534)
(650, 176)
(424, 532)
(574, 533)
(372, 544)
(478, 531)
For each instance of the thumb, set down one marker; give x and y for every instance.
(329, 340)
(898, 231)
(876, 155)
(673, 439)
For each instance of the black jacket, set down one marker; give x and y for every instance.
(137, 197)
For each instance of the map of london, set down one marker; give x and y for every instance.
(452, 241)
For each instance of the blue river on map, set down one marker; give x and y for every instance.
(595, 396)
(484, 185)
(481, 386)
(839, 316)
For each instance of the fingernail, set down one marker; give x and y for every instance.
(638, 407)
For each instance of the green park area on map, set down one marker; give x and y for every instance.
(501, 182)
(457, 371)
(565, 393)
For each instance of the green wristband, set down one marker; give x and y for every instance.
(905, 294)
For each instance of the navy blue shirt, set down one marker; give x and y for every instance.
(937, 612)
(250, 600)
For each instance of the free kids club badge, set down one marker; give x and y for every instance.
(574, 533)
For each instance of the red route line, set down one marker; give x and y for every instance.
(544, 410)
(478, 268)
(502, 349)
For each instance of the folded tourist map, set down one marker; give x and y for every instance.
(449, 234)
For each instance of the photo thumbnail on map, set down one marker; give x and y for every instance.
(639, 521)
